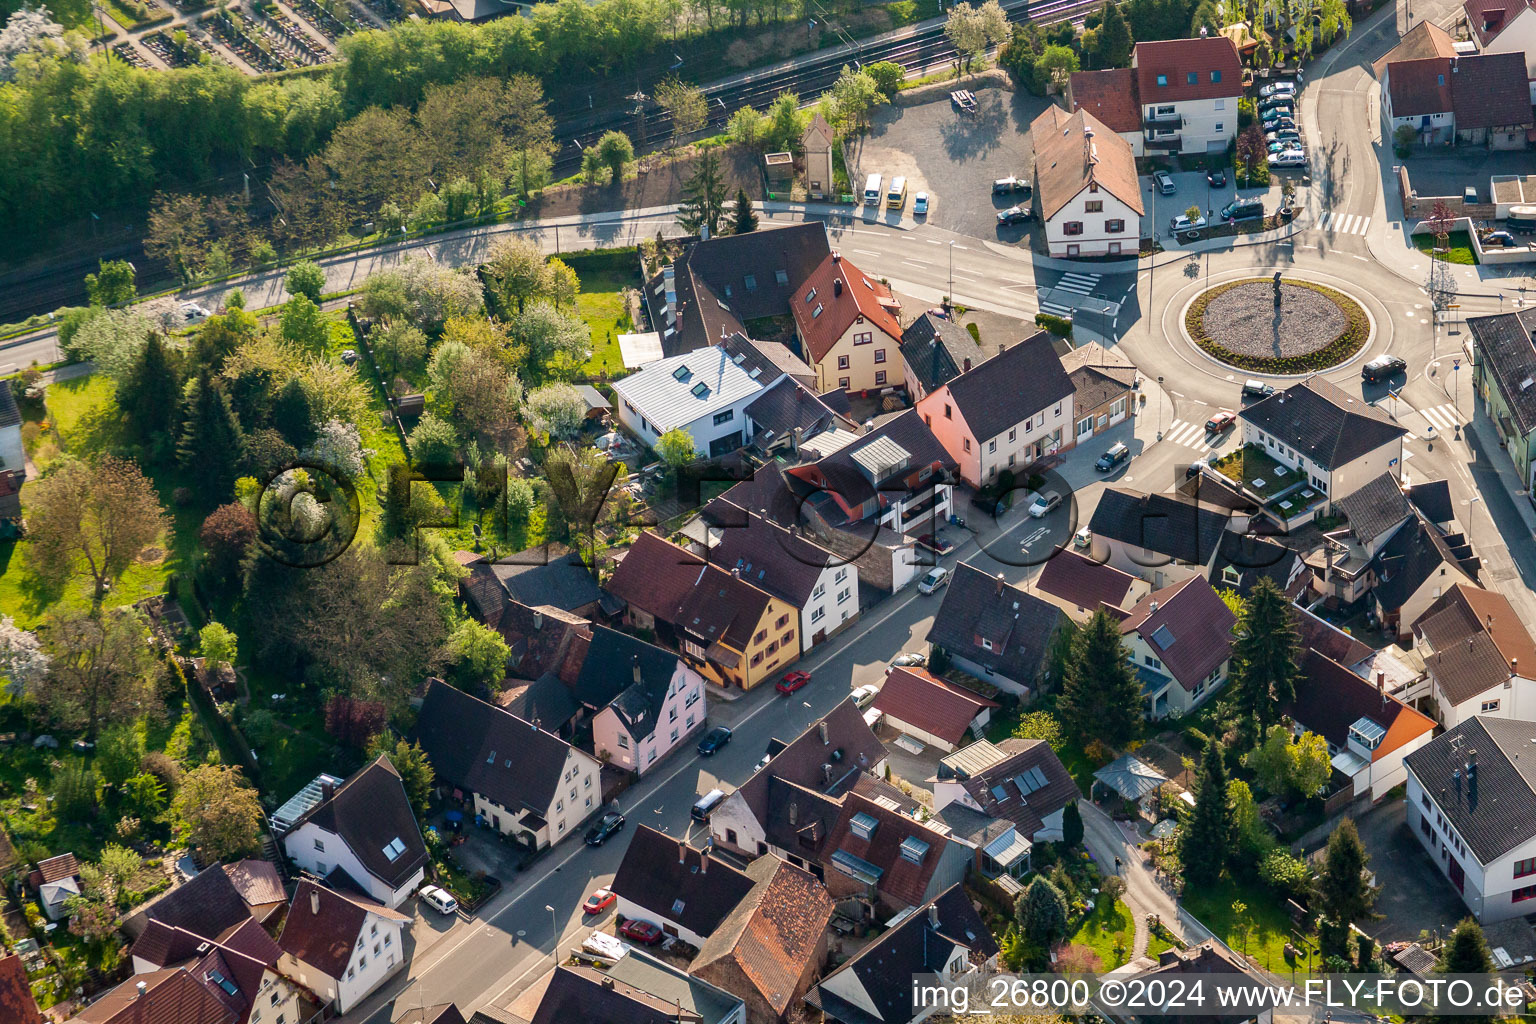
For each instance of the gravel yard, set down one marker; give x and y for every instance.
(1243, 320)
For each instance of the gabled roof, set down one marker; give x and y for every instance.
(257, 881)
(481, 748)
(323, 924)
(675, 392)
(586, 994)
(764, 361)
(541, 638)
(1420, 87)
(1327, 639)
(52, 869)
(1489, 91)
(786, 406)
(937, 350)
(1025, 786)
(1251, 558)
(1018, 383)
(372, 815)
(1375, 508)
(1330, 698)
(678, 883)
(539, 577)
(1187, 626)
(608, 678)
(1505, 347)
(1109, 95)
(885, 968)
(837, 485)
(1416, 554)
(836, 294)
(208, 904)
(655, 576)
(774, 933)
(785, 564)
(1426, 39)
(1077, 151)
(16, 1003)
(10, 414)
(841, 740)
(912, 696)
(1213, 60)
(442, 1013)
(1477, 639)
(1084, 583)
(1487, 18)
(1433, 500)
(1018, 625)
(1167, 524)
(800, 819)
(675, 586)
(1323, 422)
(546, 701)
(897, 875)
(1493, 809)
(170, 996)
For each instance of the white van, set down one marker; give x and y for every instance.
(872, 193)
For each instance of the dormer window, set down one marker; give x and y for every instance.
(863, 825)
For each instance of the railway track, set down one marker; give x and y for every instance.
(921, 52)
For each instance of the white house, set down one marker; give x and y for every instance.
(13, 457)
(1086, 188)
(705, 393)
(1179, 640)
(1416, 94)
(1110, 96)
(1473, 645)
(1333, 441)
(1019, 787)
(1503, 26)
(1005, 413)
(366, 829)
(1188, 90)
(1472, 806)
(523, 781)
(340, 946)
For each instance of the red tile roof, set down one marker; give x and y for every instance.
(55, 868)
(901, 879)
(257, 881)
(913, 696)
(860, 296)
(1110, 96)
(322, 926)
(169, 997)
(1419, 87)
(1084, 583)
(16, 1003)
(1426, 39)
(1177, 59)
(1188, 626)
(1487, 18)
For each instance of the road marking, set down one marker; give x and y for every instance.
(1191, 435)
(918, 263)
(867, 252)
(1444, 417)
(933, 241)
(1083, 284)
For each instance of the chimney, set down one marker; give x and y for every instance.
(142, 987)
(1002, 347)
(837, 286)
(703, 862)
(1514, 666)
(327, 790)
(538, 620)
(999, 588)
(796, 438)
(933, 915)
(794, 812)
(826, 774)
(1489, 626)
(682, 853)
(607, 981)
(736, 572)
(314, 902)
(722, 332)
(837, 257)
(637, 668)
(1152, 607)
(821, 730)
(703, 232)
(1381, 682)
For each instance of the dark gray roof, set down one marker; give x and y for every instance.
(937, 350)
(1083, 581)
(1093, 386)
(843, 477)
(979, 606)
(767, 555)
(208, 904)
(581, 994)
(10, 415)
(671, 880)
(1046, 787)
(1493, 810)
(1330, 698)
(1505, 347)
(1405, 563)
(479, 747)
(1323, 422)
(1011, 386)
(1375, 508)
(850, 747)
(547, 702)
(785, 406)
(564, 581)
(747, 356)
(1433, 500)
(373, 816)
(1167, 524)
(1252, 558)
(607, 678)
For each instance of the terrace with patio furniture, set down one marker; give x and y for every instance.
(1282, 491)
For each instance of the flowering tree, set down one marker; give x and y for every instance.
(22, 659)
(339, 446)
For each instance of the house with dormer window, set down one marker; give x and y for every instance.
(993, 630)
(1188, 90)
(848, 329)
(647, 701)
(889, 857)
(704, 393)
(1179, 640)
(684, 890)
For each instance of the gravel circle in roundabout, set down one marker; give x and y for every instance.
(1314, 328)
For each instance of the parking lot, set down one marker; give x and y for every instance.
(955, 157)
(1194, 190)
(1446, 171)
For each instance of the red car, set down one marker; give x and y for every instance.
(792, 681)
(1221, 421)
(643, 932)
(599, 901)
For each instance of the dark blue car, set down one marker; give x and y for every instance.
(714, 740)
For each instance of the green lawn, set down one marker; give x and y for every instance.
(1108, 927)
(601, 305)
(1458, 242)
(1269, 926)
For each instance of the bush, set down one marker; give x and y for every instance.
(1059, 326)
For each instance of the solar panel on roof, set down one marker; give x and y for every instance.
(998, 792)
(1030, 781)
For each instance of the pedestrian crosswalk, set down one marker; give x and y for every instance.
(1444, 418)
(1344, 223)
(1080, 284)
(1193, 435)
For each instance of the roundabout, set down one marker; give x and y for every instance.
(1279, 326)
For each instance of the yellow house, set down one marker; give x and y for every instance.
(848, 328)
(732, 631)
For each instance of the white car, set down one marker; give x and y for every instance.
(438, 899)
(1288, 158)
(1180, 224)
(920, 204)
(1278, 89)
(865, 695)
(1044, 504)
(1082, 538)
(1164, 182)
(936, 578)
(193, 313)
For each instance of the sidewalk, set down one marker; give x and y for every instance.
(1498, 460)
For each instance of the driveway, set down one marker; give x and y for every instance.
(1195, 190)
(954, 157)
(1414, 894)
(1445, 172)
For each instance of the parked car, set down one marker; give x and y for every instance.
(1193, 469)
(609, 824)
(1383, 367)
(1016, 215)
(1243, 209)
(937, 577)
(1280, 124)
(1118, 453)
(993, 504)
(1257, 389)
(1278, 89)
(440, 900)
(643, 932)
(1216, 177)
(717, 737)
(1082, 538)
(1275, 114)
(1288, 158)
(1182, 224)
(1500, 238)
(1284, 146)
(1164, 182)
(792, 681)
(1011, 185)
(935, 543)
(193, 313)
(909, 659)
(1223, 420)
(920, 204)
(599, 901)
(1283, 135)
(1280, 101)
(1044, 504)
(865, 695)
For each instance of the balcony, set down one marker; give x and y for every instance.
(1164, 142)
(1171, 119)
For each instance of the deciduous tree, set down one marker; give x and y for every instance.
(112, 285)
(92, 519)
(687, 105)
(478, 656)
(973, 30)
(218, 645)
(23, 661)
(520, 270)
(307, 279)
(616, 152)
(222, 812)
(557, 409)
(101, 670)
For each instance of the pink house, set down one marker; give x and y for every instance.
(648, 700)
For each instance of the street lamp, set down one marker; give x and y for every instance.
(1159, 408)
(554, 925)
(951, 292)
